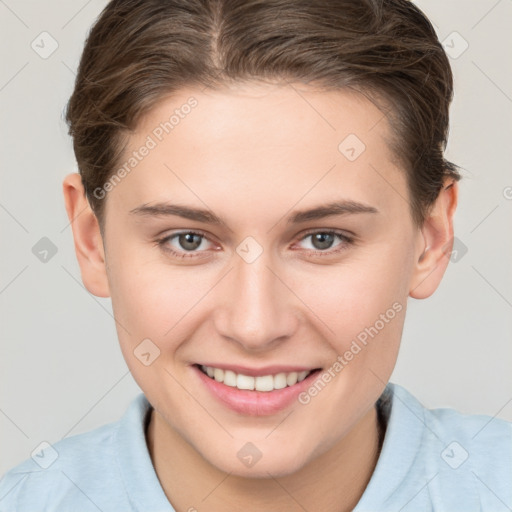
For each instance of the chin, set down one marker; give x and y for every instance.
(277, 465)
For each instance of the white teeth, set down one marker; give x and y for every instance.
(291, 378)
(280, 381)
(230, 378)
(302, 375)
(261, 383)
(244, 382)
(265, 383)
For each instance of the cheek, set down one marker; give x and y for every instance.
(363, 304)
(151, 299)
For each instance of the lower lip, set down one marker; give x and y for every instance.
(255, 403)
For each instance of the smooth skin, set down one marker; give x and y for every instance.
(253, 155)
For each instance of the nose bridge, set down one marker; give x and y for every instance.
(256, 308)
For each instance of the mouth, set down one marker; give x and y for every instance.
(263, 383)
(266, 392)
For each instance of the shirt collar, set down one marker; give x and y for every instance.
(139, 476)
(400, 411)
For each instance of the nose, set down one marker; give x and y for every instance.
(254, 306)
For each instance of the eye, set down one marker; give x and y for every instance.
(321, 241)
(185, 242)
(189, 244)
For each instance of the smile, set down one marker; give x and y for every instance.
(260, 383)
(267, 391)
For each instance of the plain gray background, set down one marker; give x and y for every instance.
(62, 372)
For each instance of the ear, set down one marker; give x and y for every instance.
(433, 255)
(87, 236)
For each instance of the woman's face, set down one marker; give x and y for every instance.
(258, 287)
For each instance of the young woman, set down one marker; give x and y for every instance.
(262, 187)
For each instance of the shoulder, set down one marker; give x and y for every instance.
(465, 458)
(439, 459)
(54, 474)
(82, 472)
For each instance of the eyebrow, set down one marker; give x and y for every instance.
(201, 215)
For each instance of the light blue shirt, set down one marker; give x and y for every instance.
(431, 460)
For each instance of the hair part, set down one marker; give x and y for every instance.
(139, 52)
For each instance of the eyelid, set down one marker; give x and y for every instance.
(341, 232)
(348, 238)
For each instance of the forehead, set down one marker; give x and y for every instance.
(285, 143)
(274, 114)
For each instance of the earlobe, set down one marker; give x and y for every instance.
(433, 254)
(87, 237)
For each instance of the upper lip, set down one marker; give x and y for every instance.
(257, 372)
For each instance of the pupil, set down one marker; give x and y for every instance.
(324, 239)
(187, 239)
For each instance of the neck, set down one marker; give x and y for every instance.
(334, 481)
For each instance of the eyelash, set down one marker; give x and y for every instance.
(346, 241)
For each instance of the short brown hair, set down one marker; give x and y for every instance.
(139, 51)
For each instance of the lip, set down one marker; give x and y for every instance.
(254, 403)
